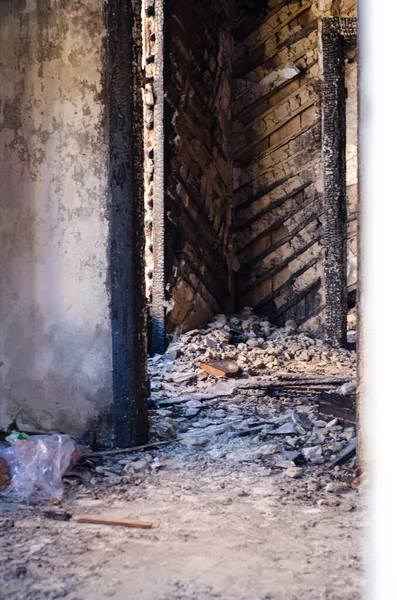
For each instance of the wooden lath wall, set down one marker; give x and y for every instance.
(277, 165)
(198, 159)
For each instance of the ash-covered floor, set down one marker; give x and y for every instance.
(247, 502)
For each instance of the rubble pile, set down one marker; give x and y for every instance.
(259, 348)
(262, 421)
(258, 417)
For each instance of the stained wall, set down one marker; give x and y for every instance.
(55, 334)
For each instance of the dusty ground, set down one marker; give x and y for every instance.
(226, 530)
(233, 521)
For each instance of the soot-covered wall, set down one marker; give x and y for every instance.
(244, 159)
(277, 165)
(198, 195)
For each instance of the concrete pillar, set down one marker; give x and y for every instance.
(71, 300)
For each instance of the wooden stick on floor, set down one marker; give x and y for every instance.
(114, 521)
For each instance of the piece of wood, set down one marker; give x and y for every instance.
(338, 405)
(221, 368)
(320, 380)
(5, 476)
(115, 522)
(126, 450)
(344, 455)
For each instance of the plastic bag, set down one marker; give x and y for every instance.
(37, 463)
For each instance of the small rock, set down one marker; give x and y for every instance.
(294, 472)
(220, 319)
(312, 485)
(311, 451)
(252, 343)
(317, 460)
(171, 355)
(320, 424)
(268, 449)
(334, 487)
(328, 502)
(348, 388)
(165, 430)
(290, 325)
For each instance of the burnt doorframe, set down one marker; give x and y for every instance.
(122, 85)
(335, 33)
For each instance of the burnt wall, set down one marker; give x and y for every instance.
(72, 336)
(277, 165)
(197, 212)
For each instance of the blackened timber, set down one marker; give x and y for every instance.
(334, 160)
(273, 205)
(309, 292)
(287, 284)
(243, 27)
(127, 238)
(198, 212)
(259, 58)
(275, 225)
(249, 109)
(264, 275)
(306, 149)
(214, 262)
(209, 281)
(288, 238)
(262, 193)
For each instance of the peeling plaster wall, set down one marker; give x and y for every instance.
(55, 336)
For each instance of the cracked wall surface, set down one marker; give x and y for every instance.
(55, 334)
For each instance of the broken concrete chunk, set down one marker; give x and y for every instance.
(280, 462)
(294, 472)
(333, 487)
(328, 502)
(286, 429)
(311, 451)
(348, 388)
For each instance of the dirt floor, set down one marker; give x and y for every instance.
(226, 529)
(245, 492)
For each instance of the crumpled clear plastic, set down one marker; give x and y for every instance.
(37, 464)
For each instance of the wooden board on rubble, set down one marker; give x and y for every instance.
(221, 368)
(337, 405)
